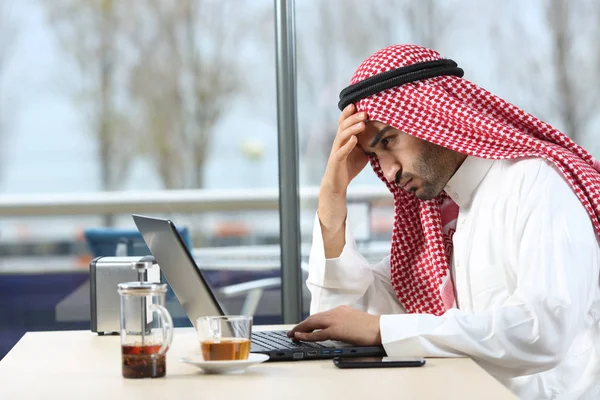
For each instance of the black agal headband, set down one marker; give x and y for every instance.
(397, 77)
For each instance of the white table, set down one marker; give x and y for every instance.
(82, 365)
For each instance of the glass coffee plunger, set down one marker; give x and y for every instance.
(146, 327)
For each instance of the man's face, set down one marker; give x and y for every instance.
(415, 165)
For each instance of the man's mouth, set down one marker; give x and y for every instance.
(406, 186)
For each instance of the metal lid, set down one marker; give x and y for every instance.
(141, 288)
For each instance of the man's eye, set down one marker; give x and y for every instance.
(385, 142)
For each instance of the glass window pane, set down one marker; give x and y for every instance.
(146, 99)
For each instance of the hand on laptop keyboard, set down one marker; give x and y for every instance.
(341, 323)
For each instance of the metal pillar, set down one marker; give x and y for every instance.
(287, 128)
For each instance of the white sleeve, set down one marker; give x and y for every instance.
(558, 266)
(349, 279)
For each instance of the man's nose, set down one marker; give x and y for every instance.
(390, 172)
(390, 176)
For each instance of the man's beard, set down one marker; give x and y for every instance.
(433, 171)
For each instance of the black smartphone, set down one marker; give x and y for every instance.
(378, 362)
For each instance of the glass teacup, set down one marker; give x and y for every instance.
(224, 337)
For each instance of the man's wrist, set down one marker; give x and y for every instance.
(332, 212)
(331, 226)
(332, 191)
(377, 329)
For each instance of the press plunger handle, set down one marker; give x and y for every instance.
(142, 267)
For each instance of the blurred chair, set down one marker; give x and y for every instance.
(255, 290)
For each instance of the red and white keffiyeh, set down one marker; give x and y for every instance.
(456, 114)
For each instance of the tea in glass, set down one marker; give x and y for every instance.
(143, 361)
(224, 337)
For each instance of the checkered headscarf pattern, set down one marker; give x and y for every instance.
(457, 114)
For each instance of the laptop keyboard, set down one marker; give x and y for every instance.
(278, 340)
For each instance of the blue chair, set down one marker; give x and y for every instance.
(106, 241)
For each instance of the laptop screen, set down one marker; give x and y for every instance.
(178, 266)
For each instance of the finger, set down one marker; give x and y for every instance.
(346, 112)
(317, 321)
(343, 137)
(309, 325)
(346, 149)
(318, 336)
(292, 331)
(352, 120)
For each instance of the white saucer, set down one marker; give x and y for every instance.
(219, 367)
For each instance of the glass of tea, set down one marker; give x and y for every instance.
(146, 329)
(224, 337)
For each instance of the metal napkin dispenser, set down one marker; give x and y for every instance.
(105, 274)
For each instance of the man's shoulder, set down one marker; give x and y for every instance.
(524, 166)
(537, 192)
(534, 170)
(533, 179)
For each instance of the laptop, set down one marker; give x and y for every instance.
(198, 299)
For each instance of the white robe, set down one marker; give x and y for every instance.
(525, 269)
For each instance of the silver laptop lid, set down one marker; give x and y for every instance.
(178, 266)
